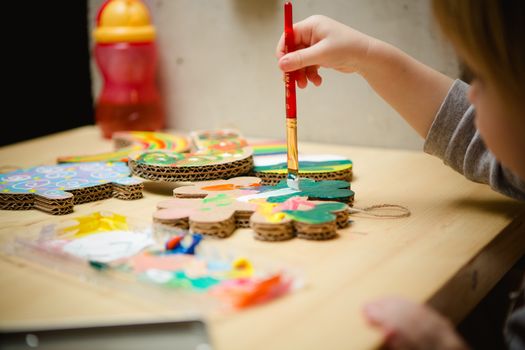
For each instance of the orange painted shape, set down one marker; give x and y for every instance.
(173, 242)
(223, 187)
(260, 290)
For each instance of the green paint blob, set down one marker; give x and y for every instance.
(320, 214)
(181, 280)
(330, 206)
(219, 200)
(338, 190)
(98, 265)
(160, 158)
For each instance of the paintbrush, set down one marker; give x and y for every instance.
(292, 179)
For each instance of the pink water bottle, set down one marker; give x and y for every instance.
(126, 56)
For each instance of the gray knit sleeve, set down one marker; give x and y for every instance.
(515, 330)
(454, 138)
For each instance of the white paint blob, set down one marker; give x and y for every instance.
(108, 246)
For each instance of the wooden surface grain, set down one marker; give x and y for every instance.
(460, 239)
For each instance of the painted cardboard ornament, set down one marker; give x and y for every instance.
(219, 155)
(127, 142)
(217, 208)
(271, 166)
(56, 189)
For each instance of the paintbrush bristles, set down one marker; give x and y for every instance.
(292, 180)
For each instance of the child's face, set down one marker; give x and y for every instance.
(501, 126)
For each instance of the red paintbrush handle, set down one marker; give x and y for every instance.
(289, 46)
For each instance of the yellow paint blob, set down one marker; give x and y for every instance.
(94, 223)
(241, 268)
(269, 210)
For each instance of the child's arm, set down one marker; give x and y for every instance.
(414, 90)
(454, 138)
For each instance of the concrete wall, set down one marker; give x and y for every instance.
(218, 68)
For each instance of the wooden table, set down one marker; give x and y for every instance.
(460, 239)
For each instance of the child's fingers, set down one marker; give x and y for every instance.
(310, 56)
(300, 78)
(390, 317)
(302, 37)
(313, 75)
(394, 312)
(408, 325)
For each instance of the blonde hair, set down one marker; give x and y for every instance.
(492, 33)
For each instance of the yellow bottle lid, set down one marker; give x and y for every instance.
(123, 21)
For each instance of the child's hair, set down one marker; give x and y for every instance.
(492, 33)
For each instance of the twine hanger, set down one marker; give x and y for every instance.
(375, 211)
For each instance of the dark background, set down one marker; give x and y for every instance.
(47, 86)
(47, 78)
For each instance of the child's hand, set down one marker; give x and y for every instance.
(408, 325)
(323, 42)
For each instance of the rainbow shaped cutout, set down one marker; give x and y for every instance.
(220, 154)
(127, 142)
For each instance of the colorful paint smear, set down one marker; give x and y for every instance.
(230, 187)
(53, 181)
(274, 203)
(174, 159)
(318, 214)
(136, 141)
(299, 209)
(108, 246)
(270, 211)
(135, 257)
(93, 223)
(245, 292)
(222, 140)
(325, 190)
(266, 148)
(307, 163)
(213, 147)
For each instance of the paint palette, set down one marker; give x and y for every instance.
(270, 164)
(185, 271)
(275, 213)
(55, 189)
